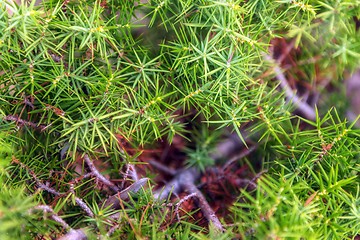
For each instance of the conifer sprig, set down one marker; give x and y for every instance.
(106, 78)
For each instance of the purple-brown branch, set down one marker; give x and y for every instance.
(302, 106)
(42, 186)
(22, 122)
(98, 175)
(73, 234)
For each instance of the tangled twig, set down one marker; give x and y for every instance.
(98, 175)
(23, 122)
(73, 234)
(51, 190)
(114, 201)
(302, 106)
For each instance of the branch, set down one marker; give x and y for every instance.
(204, 205)
(162, 167)
(23, 122)
(98, 175)
(130, 170)
(54, 216)
(42, 186)
(237, 157)
(230, 145)
(176, 184)
(112, 230)
(114, 201)
(185, 181)
(303, 107)
(223, 150)
(181, 202)
(77, 234)
(72, 234)
(81, 203)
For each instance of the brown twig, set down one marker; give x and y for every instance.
(175, 185)
(162, 167)
(78, 179)
(81, 203)
(246, 183)
(54, 216)
(17, 120)
(114, 201)
(237, 157)
(230, 145)
(303, 107)
(29, 103)
(130, 171)
(98, 175)
(73, 234)
(251, 184)
(133, 173)
(112, 230)
(181, 202)
(258, 175)
(188, 184)
(39, 183)
(185, 181)
(42, 186)
(84, 207)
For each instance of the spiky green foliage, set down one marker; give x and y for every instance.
(82, 76)
(312, 190)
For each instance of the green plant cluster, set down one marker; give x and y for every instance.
(312, 189)
(81, 76)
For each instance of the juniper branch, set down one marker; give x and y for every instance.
(98, 175)
(307, 110)
(114, 201)
(72, 234)
(53, 215)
